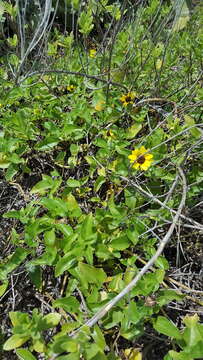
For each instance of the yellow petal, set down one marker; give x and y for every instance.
(132, 157)
(148, 156)
(136, 166)
(146, 165)
(143, 150)
(135, 152)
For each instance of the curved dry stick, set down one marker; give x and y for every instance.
(101, 313)
(39, 32)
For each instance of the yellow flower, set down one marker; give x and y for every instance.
(140, 158)
(70, 88)
(99, 105)
(128, 98)
(92, 53)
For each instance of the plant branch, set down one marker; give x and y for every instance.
(101, 313)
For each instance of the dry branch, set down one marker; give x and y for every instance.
(101, 313)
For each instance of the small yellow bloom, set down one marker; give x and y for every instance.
(133, 354)
(92, 53)
(70, 88)
(140, 158)
(99, 105)
(128, 98)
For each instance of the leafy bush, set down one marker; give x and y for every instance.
(106, 131)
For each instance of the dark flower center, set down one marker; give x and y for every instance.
(141, 159)
(128, 99)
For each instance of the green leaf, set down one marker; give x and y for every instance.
(179, 355)
(133, 130)
(14, 342)
(92, 352)
(51, 320)
(192, 334)
(72, 356)
(57, 207)
(16, 259)
(69, 304)
(190, 122)
(73, 206)
(65, 263)
(98, 183)
(196, 351)
(45, 184)
(88, 274)
(87, 228)
(120, 243)
(99, 338)
(3, 288)
(35, 274)
(38, 345)
(47, 144)
(168, 296)
(64, 343)
(65, 229)
(50, 238)
(132, 235)
(11, 172)
(85, 22)
(73, 183)
(4, 161)
(19, 318)
(25, 354)
(70, 129)
(166, 327)
(47, 257)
